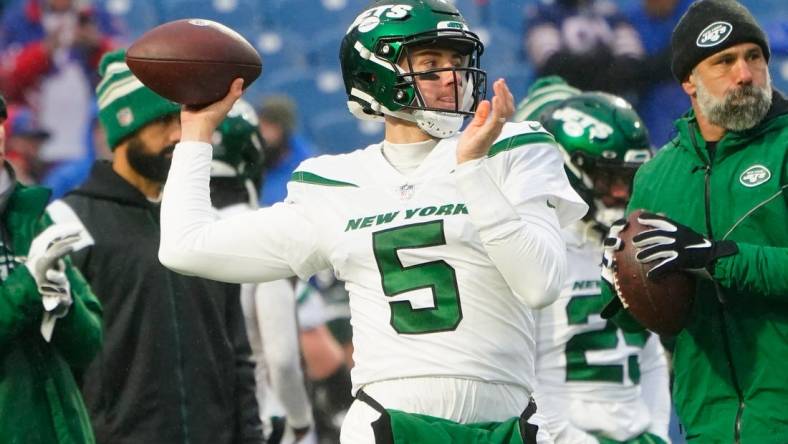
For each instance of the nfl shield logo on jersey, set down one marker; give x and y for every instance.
(406, 191)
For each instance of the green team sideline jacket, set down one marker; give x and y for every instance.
(730, 363)
(40, 402)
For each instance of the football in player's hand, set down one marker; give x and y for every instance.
(193, 61)
(662, 305)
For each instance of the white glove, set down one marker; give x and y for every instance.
(49, 247)
(56, 297)
(44, 261)
(56, 292)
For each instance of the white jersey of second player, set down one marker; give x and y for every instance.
(591, 373)
(430, 295)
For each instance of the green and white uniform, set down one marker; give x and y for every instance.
(594, 379)
(441, 265)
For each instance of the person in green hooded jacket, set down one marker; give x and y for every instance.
(715, 197)
(50, 322)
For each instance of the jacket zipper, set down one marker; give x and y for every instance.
(720, 296)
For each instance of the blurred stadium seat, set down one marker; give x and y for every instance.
(241, 15)
(323, 49)
(308, 16)
(338, 131)
(518, 77)
(137, 16)
(281, 49)
(510, 15)
(779, 71)
(313, 91)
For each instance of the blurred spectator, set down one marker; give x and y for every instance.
(50, 51)
(67, 175)
(661, 99)
(285, 148)
(587, 42)
(23, 142)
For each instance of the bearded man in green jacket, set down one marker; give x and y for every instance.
(50, 321)
(717, 201)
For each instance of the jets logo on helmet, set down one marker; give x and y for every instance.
(578, 123)
(383, 36)
(369, 19)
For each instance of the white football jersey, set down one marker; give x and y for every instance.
(585, 363)
(427, 290)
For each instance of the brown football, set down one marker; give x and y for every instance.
(193, 61)
(662, 305)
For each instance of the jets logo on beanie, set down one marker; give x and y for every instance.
(708, 27)
(125, 105)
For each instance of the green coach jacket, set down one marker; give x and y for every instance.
(40, 401)
(731, 361)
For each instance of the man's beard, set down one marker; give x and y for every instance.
(150, 166)
(740, 109)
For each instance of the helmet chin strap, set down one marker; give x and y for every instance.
(438, 124)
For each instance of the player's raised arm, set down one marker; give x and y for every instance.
(264, 245)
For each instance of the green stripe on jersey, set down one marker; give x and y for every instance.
(314, 179)
(518, 141)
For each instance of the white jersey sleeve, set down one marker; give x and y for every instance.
(518, 198)
(263, 245)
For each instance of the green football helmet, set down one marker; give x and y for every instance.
(602, 139)
(238, 146)
(382, 36)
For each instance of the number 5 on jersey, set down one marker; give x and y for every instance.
(438, 276)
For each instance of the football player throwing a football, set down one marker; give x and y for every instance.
(446, 240)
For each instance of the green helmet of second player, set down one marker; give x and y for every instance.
(599, 134)
(238, 145)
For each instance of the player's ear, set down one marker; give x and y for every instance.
(689, 86)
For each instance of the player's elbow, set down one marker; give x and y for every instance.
(540, 294)
(175, 259)
(542, 285)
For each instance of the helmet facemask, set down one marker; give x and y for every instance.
(469, 86)
(604, 184)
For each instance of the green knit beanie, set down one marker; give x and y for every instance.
(125, 104)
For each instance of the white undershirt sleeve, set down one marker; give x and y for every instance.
(257, 246)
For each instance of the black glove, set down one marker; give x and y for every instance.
(678, 247)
